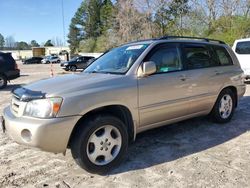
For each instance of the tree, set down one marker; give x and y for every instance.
(10, 42)
(2, 41)
(56, 41)
(106, 16)
(76, 33)
(48, 43)
(22, 46)
(162, 17)
(74, 38)
(33, 43)
(92, 23)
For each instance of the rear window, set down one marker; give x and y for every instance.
(243, 47)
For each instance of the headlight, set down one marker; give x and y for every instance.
(43, 108)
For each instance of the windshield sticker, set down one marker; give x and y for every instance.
(137, 47)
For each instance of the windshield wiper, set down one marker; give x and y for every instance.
(99, 72)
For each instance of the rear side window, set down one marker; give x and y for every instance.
(243, 47)
(223, 56)
(198, 57)
(167, 59)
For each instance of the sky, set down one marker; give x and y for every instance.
(38, 20)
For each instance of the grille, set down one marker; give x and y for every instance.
(17, 106)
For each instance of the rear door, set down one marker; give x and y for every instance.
(81, 62)
(203, 75)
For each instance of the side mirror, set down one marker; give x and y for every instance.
(148, 68)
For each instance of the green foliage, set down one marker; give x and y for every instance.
(92, 24)
(33, 43)
(2, 41)
(99, 25)
(230, 28)
(48, 43)
(106, 16)
(22, 46)
(88, 45)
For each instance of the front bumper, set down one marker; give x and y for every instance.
(50, 135)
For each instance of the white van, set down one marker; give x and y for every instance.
(241, 48)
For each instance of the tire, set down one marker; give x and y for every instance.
(47, 62)
(223, 111)
(67, 69)
(73, 68)
(95, 140)
(3, 81)
(58, 61)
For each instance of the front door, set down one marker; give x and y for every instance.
(164, 95)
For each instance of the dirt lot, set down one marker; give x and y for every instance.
(194, 153)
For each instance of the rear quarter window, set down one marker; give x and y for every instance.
(223, 56)
(243, 47)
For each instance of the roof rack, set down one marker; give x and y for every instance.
(186, 37)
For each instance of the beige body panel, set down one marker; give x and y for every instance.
(153, 101)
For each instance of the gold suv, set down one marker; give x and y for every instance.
(135, 87)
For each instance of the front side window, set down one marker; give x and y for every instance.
(118, 60)
(243, 47)
(198, 57)
(167, 59)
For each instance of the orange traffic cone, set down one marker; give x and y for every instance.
(51, 70)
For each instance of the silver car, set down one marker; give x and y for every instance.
(51, 59)
(130, 89)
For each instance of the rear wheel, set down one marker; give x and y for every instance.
(100, 144)
(3, 81)
(224, 107)
(73, 68)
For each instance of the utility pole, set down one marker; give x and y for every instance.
(63, 22)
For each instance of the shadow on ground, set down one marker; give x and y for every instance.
(175, 141)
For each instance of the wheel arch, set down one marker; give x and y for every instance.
(119, 111)
(234, 90)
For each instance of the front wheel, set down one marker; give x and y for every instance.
(100, 144)
(224, 107)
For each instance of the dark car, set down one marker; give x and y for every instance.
(8, 69)
(33, 60)
(79, 62)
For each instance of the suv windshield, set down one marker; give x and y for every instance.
(118, 60)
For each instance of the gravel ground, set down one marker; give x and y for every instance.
(193, 153)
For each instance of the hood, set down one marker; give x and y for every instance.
(62, 85)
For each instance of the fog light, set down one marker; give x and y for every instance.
(26, 135)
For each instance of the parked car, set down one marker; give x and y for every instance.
(241, 48)
(8, 69)
(33, 60)
(130, 89)
(51, 59)
(79, 62)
